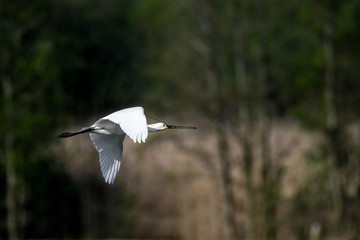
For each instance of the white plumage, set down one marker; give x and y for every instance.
(108, 140)
(110, 153)
(132, 121)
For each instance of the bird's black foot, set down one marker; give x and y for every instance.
(65, 135)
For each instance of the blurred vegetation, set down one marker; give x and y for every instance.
(239, 63)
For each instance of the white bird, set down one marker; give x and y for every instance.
(108, 134)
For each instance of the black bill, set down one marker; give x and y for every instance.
(180, 127)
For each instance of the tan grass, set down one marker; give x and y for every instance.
(175, 176)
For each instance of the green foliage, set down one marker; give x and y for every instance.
(97, 54)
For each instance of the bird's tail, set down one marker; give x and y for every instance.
(70, 134)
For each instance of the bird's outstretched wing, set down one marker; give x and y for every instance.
(132, 121)
(110, 149)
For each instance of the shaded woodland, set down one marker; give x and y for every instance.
(273, 87)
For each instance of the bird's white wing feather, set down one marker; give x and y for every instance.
(132, 121)
(110, 149)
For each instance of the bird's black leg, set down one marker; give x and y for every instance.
(70, 134)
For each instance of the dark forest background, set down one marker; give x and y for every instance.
(241, 71)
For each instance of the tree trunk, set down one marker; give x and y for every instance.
(330, 113)
(9, 157)
(246, 125)
(206, 14)
(331, 122)
(227, 183)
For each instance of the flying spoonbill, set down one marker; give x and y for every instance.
(108, 133)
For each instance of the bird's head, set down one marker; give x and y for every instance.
(155, 127)
(158, 127)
